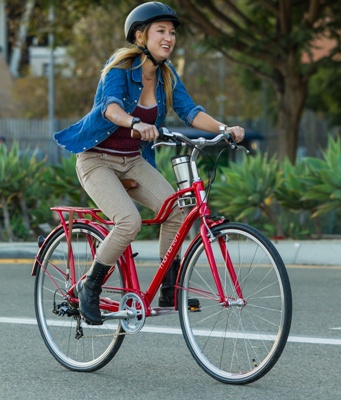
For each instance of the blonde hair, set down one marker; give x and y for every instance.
(123, 58)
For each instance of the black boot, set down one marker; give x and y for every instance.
(88, 291)
(166, 296)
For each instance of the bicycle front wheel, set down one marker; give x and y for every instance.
(237, 340)
(75, 344)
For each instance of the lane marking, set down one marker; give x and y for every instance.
(177, 331)
(17, 260)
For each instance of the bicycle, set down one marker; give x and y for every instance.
(232, 293)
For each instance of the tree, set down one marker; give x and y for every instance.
(278, 40)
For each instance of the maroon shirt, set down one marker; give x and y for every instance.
(120, 143)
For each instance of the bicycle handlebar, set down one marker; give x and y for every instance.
(179, 139)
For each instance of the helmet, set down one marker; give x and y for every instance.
(147, 13)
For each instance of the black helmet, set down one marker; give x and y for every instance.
(147, 13)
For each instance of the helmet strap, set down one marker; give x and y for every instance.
(151, 58)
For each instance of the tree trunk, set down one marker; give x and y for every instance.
(25, 213)
(291, 101)
(21, 38)
(7, 219)
(272, 215)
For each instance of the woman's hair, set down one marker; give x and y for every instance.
(123, 58)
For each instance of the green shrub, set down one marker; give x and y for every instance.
(290, 196)
(246, 190)
(324, 182)
(20, 181)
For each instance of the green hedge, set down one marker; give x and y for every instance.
(281, 199)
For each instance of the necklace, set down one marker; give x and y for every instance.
(148, 79)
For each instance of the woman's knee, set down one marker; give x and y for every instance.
(129, 225)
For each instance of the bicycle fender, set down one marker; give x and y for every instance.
(46, 241)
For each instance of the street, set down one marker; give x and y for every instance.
(157, 365)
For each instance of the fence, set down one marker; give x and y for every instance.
(33, 134)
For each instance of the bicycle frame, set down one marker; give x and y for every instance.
(131, 281)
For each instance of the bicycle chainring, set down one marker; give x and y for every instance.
(134, 304)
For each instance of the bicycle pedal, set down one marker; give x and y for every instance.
(194, 309)
(194, 305)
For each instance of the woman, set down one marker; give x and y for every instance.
(137, 87)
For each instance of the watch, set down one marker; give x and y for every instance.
(134, 121)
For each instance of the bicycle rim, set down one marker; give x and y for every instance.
(96, 345)
(236, 344)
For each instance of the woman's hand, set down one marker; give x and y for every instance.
(146, 132)
(238, 133)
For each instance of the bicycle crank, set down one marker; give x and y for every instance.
(131, 312)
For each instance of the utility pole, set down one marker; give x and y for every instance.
(52, 147)
(3, 31)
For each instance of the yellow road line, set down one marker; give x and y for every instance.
(17, 261)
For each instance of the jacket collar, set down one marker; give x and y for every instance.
(136, 71)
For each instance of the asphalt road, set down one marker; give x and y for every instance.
(159, 366)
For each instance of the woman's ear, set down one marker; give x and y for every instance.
(139, 38)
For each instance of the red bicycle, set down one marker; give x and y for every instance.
(237, 328)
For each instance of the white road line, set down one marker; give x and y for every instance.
(177, 331)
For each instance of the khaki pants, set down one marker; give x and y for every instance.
(100, 175)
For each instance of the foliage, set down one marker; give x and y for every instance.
(20, 180)
(279, 198)
(325, 179)
(278, 41)
(325, 94)
(247, 189)
(292, 189)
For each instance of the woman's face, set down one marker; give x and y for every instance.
(161, 39)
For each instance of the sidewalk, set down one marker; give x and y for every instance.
(293, 252)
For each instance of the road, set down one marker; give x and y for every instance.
(152, 365)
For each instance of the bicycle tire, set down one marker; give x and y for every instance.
(99, 344)
(236, 344)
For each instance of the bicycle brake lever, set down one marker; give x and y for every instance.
(168, 143)
(244, 149)
(234, 146)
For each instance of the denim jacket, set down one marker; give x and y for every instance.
(124, 87)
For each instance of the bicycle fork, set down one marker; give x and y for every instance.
(208, 238)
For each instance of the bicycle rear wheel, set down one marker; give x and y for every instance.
(240, 342)
(75, 344)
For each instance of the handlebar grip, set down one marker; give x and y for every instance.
(136, 134)
(161, 135)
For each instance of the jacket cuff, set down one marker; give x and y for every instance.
(110, 100)
(193, 113)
